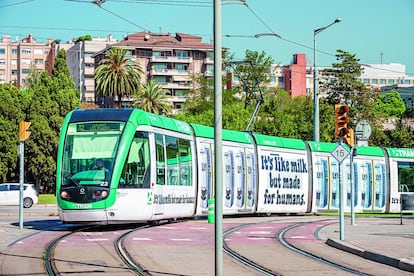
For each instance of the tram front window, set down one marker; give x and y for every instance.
(136, 171)
(406, 176)
(89, 153)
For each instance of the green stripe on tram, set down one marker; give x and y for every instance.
(400, 152)
(369, 151)
(279, 142)
(145, 118)
(228, 135)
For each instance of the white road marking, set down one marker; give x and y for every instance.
(141, 239)
(260, 232)
(298, 237)
(180, 240)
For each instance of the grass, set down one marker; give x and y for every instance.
(47, 199)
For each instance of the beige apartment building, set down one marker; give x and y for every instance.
(169, 60)
(82, 65)
(17, 57)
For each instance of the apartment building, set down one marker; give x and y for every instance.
(17, 57)
(169, 60)
(82, 65)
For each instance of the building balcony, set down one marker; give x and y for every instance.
(170, 72)
(172, 59)
(208, 61)
(208, 74)
(174, 85)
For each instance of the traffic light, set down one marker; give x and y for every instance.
(23, 133)
(349, 139)
(341, 121)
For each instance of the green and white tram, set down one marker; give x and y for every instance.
(149, 167)
(127, 165)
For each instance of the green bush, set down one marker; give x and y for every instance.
(47, 199)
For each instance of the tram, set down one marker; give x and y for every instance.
(157, 168)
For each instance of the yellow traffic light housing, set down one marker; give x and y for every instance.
(23, 133)
(341, 121)
(349, 139)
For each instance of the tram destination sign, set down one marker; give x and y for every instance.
(340, 153)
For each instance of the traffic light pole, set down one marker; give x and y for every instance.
(23, 135)
(21, 181)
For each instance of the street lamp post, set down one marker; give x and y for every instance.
(315, 83)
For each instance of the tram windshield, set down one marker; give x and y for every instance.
(406, 176)
(89, 152)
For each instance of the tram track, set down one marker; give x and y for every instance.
(128, 265)
(284, 241)
(280, 236)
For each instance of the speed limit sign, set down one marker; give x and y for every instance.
(340, 153)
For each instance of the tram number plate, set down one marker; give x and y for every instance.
(340, 153)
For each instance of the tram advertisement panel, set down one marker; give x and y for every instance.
(320, 178)
(283, 185)
(239, 187)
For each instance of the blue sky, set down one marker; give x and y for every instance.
(375, 30)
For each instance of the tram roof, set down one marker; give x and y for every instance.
(280, 142)
(360, 150)
(101, 114)
(145, 118)
(228, 135)
(400, 152)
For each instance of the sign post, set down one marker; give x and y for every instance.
(340, 153)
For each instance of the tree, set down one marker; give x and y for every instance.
(344, 74)
(201, 96)
(10, 116)
(253, 73)
(60, 66)
(117, 75)
(390, 104)
(51, 98)
(152, 98)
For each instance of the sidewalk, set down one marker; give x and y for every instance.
(382, 240)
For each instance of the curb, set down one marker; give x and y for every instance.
(403, 264)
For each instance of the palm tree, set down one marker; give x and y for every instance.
(152, 99)
(117, 75)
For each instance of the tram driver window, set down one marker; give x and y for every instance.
(406, 176)
(136, 171)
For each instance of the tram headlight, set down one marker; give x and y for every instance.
(65, 194)
(102, 194)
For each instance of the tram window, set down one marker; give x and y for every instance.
(160, 154)
(136, 171)
(185, 162)
(172, 160)
(406, 176)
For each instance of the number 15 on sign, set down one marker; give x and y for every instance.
(340, 153)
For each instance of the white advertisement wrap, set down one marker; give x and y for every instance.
(283, 178)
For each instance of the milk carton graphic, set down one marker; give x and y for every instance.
(366, 180)
(379, 185)
(351, 181)
(322, 183)
(205, 177)
(228, 179)
(251, 180)
(239, 179)
(334, 185)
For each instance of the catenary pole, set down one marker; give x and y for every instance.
(218, 124)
